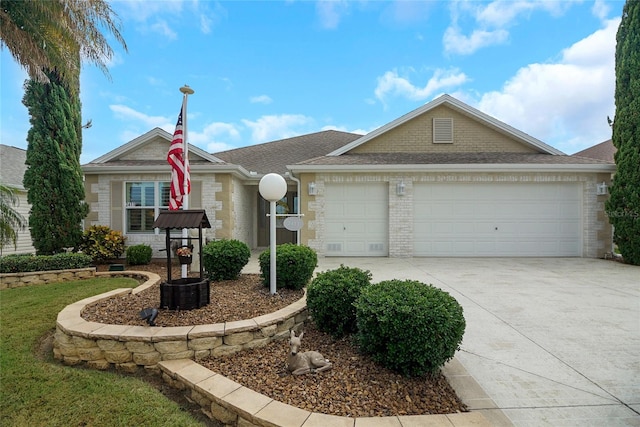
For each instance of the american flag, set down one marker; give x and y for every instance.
(179, 166)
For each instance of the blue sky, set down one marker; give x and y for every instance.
(267, 70)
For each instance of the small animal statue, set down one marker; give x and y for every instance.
(308, 361)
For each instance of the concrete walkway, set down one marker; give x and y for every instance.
(552, 342)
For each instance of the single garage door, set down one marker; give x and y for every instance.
(356, 219)
(497, 219)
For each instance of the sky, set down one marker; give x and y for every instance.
(268, 70)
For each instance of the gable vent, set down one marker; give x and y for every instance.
(443, 130)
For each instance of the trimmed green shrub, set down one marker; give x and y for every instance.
(27, 263)
(330, 298)
(408, 326)
(139, 254)
(294, 265)
(102, 243)
(224, 259)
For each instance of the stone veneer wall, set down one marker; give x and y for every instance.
(126, 347)
(16, 280)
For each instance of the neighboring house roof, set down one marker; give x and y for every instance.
(603, 151)
(461, 107)
(12, 166)
(276, 155)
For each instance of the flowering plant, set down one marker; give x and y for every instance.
(183, 251)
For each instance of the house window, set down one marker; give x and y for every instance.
(442, 130)
(144, 201)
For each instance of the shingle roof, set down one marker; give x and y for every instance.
(603, 151)
(12, 167)
(190, 218)
(274, 156)
(448, 158)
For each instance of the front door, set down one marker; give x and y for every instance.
(286, 206)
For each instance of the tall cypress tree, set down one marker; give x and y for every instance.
(53, 177)
(623, 207)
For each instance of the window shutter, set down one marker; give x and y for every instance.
(116, 206)
(195, 197)
(442, 130)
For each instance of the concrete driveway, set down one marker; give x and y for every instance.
(552, 342)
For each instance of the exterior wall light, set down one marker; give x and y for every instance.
(312, 189)
(601, 189)
(400, 188)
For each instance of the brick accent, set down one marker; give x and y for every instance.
(469, 135)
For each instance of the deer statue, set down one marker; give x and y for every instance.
(308, 361)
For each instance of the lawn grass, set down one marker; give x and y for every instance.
(43, 392)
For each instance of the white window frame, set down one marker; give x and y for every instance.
(131, 205)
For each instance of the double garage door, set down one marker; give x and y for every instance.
(497, 219)
(458, 219)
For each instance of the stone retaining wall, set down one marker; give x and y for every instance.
(235, 405)
(128, 348)
(16, 280)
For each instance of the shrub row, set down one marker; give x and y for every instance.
(27, 263)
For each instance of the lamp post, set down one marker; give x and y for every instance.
(272, 188)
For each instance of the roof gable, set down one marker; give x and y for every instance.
(413, 133)
(153, 145)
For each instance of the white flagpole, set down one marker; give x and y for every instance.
(186, 91)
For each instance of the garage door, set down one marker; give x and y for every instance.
(356, 219)
(497, 219)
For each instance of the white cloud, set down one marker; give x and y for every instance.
(126, 113)
(492, 21)
(141, 10)
(456, 42)
(260, 99)
(392, 84)
(161, 27)
(213, 135)
(600, 9)
(566, 103)
(330, 12)
(271, 128)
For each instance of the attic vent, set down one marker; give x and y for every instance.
(443, 130)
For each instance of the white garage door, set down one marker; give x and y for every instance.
(356, 219)
(497, 219)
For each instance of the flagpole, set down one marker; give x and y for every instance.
(186, 91)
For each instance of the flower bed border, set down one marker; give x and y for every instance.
(172, 353)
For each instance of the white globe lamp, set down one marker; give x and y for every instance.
(272, 187)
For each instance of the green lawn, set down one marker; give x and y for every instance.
(37, 392)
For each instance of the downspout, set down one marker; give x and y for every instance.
(297, 181)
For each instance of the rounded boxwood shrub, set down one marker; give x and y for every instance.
(330, 298)
(294, 265)
(224, 259)
(408, 326)
(102, 243)
(139, 254)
